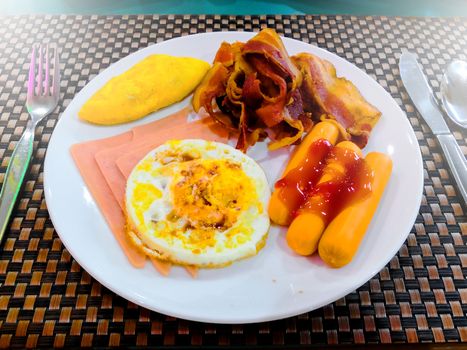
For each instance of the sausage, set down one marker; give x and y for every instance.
(342, 237)
(281, 209)
(307, 228)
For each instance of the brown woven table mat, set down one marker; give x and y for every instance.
(47, 299)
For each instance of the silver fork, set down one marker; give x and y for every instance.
(42, 99)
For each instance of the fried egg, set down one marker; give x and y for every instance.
(196, 202)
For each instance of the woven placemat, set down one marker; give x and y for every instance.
(47, 299)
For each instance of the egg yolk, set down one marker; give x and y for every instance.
(144, 195)
(211, 193)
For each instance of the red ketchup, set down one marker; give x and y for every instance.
(298, 182)
(302, 190)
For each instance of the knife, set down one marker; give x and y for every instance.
(422, 96)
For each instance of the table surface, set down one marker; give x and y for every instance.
(239, 7)
(47, 299)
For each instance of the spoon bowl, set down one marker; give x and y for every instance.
(454, 92)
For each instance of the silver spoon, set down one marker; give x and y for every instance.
(454, 92)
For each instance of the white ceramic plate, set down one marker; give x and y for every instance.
(274, 284)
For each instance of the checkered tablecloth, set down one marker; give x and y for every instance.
(47, 299)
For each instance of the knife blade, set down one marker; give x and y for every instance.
(420, 92)
(422, 96)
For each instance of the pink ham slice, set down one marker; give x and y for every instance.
(177, 119)
(96, 161)
(83, 155)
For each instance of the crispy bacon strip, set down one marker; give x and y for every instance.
(211, 88)
(287, 134)
(228, 53)
(273, 90)
(326, 95)
(253, 88)
(270, 46)
(251, 92)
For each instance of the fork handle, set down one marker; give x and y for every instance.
(14, 176)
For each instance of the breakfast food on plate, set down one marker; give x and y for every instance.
(198, 203)
(344, 176)
(330, 97)
(83, 155)
(319, 185)
(155, 82)
(252, 88)
(285, 200)
(256, 89)
(109, 196)
(171, 192)
(342, 237)
(144, 140)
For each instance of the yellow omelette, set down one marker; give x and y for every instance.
(153, 83)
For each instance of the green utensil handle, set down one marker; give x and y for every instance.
(14, 176)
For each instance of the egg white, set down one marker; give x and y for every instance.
(149, 204)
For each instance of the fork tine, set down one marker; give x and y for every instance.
(40, 82)
(56, 81)
(47, 72)
(32, 73)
